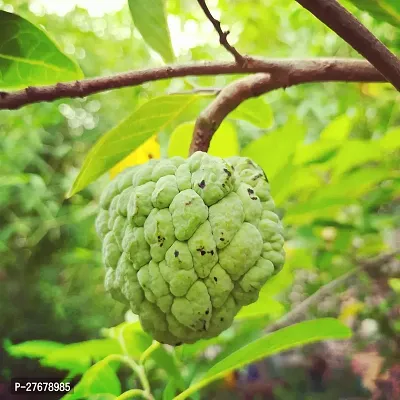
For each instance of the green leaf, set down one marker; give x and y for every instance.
(353, 184)
(256, 111)
(394, 283)
(169, 391)
(305, 212)
(136, 341)
(315, 152)
(98, 379)
(167, 362)
(280, 282)
(149, 119)
(382, 10)
(78, 356)
(150, 19)
(33, 348)
(354, 153)
(265, 306)
(273, 150)
(224, 143)
(276, 342)
(338, 129)
(29, 57)
(391, 141)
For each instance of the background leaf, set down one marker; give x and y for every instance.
(100, 378)
(255, 111)
(384, 10)
(150, 20)
(273, 150)
(224, 143)
(284, 339)
(149, 119)
(32, 348)
(29, 57)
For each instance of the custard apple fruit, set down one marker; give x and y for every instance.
(188, 242)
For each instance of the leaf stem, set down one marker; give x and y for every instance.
(132, 393)
(154, 346)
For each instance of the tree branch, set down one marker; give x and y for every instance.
(223, 36)
(293, 71)
(298, 313)
(369, 266)
(227, 100)
(336, 17)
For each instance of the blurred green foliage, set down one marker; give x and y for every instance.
(331, 152)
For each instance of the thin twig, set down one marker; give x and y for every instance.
(336, 17)
(223, 36)
(294, 70)
(228, 99)
(299, 311)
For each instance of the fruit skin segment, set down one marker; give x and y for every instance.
(187, 242)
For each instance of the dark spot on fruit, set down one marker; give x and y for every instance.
(202, 252)
(221, 239)
(223, 185)
(158, 237)
(212, 252)
(215, 279)
(178, 344)
(222, 319)
(202, 184)
(253, 198)
(255, 177)
(176, 253)
(250, 191)
(207, 311)
(204, 325)
(161, 244)
(265, 176)
(227, 171)
(188, 203)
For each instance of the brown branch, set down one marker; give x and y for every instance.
(294, 71)
(336, 17)
(227, 100)
(223, 36)
(298, 313)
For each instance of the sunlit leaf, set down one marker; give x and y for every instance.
(79, 356)
(131, 336)
(394, 283)
(279, 282)
(100, 378)
(352, 185)
(284, 339)
(224, 142)
(32, 348)
(148, 150)
(338, 129)
(273, 150)
(256, 111)
(355, 153)
(29, 57)
(265, 306)
(302, 213)
(150, 19)
(149, 119)
(391, 141)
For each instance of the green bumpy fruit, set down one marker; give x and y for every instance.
(188, 242)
